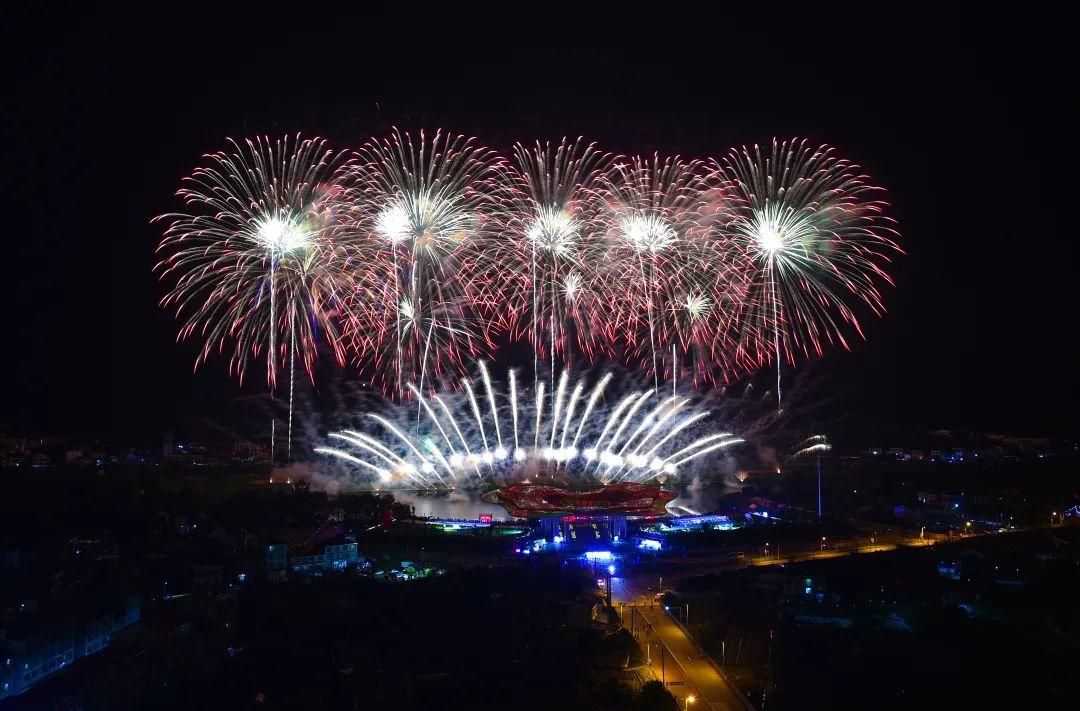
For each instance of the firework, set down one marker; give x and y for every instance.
(419, 209)
(645, 436)
(414, 255)
(815, 444)
(253, 265)
(816, 238)
(672, 281)
(541, 271)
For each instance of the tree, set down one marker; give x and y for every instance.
(654, 697)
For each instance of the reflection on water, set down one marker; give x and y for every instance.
(457, 504)
(467, 505)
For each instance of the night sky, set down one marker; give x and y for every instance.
(962, 120)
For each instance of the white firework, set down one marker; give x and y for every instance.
(697, 306)
(644, 436)
(648, 232)
(554, 230)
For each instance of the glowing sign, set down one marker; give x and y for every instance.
(597, 555)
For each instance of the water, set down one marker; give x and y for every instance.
(457, 504)
(467, 505)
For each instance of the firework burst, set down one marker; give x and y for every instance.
(542, 269)
(420, 208)
(671, 282)
(479, 433)
(254, 260)
(413, 255)
(817, 240)
(254, 267)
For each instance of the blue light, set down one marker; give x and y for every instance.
(598, 555)
(611, 570)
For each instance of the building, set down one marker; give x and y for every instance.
(341, 555)
(277, 560)
(336, 556)
(29, 653)
(935, 501)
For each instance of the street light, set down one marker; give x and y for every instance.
(823, 543)
(689, 700)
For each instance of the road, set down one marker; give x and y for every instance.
(673, 567)
(697, 563)
(842, 548)
(684, 669)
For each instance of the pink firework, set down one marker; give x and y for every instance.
(254, 263)
(420, 208)
(673, 283)
(539, 272)
(818, 242)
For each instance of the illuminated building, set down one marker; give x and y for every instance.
(539, 500)
(277, 560)
(334, 557)
(29, 654)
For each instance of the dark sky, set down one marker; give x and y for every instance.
(962, 119)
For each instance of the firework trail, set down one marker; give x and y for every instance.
(672, 280)
(420, 208)
(816, 238)
(814, 444)
(414, 255)
(465, 438)
(253, 264)
(540, 273)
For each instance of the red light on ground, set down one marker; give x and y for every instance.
(625, 499)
